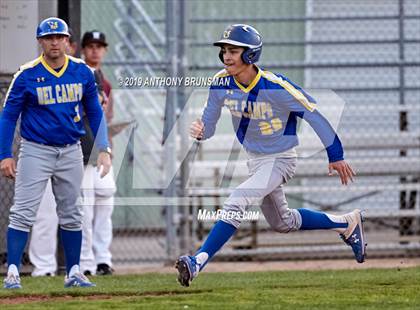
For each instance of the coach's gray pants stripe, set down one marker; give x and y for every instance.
(264, 188)
(37, 163)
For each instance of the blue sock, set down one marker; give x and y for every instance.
(218, 236)
(317, 220)
(16, 242)
(72, 244)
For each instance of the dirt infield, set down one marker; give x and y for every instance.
(47, 298)
(280, 265)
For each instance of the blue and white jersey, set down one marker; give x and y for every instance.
(50, 104)
(264, 114)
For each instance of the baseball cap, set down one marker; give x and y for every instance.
(94, 36)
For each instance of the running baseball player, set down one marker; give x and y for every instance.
(264, 108)
(50, 94)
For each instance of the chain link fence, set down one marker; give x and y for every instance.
(7, 185)
(369, 64)
(360, 59)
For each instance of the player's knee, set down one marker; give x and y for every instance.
(245, 198)
(20, 221)
(282, 228)
(290, 221)
(71, 226)
(71, 221)
(232, 214)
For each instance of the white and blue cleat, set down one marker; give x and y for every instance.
(12, 281)
(354, 235)
(187, 269)
(78, 280)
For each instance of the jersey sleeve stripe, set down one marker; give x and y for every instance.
(76, 60)
(298, 95)
(22, 68)
(220, 74)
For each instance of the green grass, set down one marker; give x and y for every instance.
(357, 289)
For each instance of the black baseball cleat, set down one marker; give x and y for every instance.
(187, 269)
(87, 273)
(104, 270)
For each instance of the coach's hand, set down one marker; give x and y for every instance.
(104, 163)
(197, 129)
(344, 170)
(8, 168)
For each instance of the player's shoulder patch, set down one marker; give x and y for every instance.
(220, 79)
(80, 65)
(220, 74)
(272, 77)
(30, 64)
(22, 68)
(290, 88)
(76, 60)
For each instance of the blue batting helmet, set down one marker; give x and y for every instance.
(52, 25)
(244, 36)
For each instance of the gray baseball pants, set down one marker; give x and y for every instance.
(264, 188)
(36, 165)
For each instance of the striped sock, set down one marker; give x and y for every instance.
(318, 220)
(218, 236)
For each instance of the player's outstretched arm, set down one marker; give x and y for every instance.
(8, 168)
(344, 170)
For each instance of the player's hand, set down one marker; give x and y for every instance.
(104, 163)
(8, 168)
(197, 129)
(343, 169)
